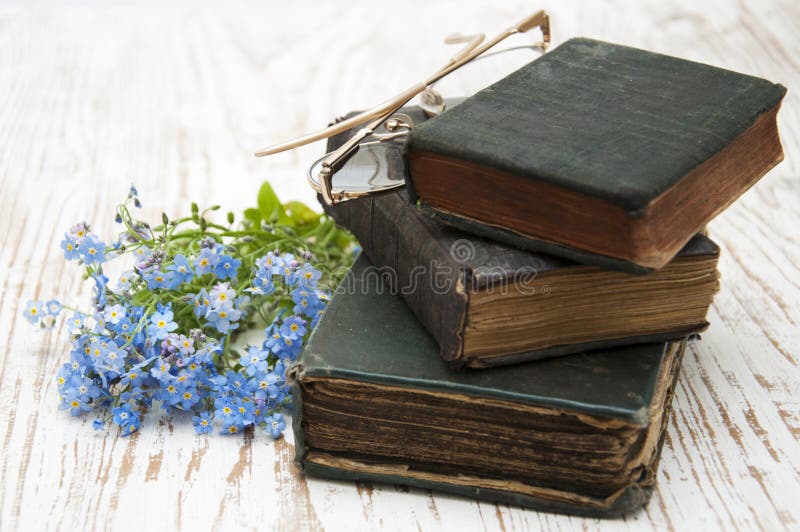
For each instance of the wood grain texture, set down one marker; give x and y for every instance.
(176, 99)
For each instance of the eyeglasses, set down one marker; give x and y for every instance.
(371, 154)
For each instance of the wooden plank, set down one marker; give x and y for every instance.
(176, 98)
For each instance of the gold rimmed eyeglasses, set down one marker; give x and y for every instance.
(383, 124)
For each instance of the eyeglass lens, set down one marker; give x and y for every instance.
(376, 166)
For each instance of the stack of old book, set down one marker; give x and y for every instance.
(514, 328)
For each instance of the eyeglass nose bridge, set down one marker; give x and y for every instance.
(398, 125)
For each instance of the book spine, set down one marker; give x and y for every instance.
(413, 261)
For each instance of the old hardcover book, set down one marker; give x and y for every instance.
(578, 434)
(597, 152)
(465, 289)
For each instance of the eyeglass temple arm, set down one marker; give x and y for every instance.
(472, 50)
(335, 159)
(539, 19)
(387, 107)
(473, 41)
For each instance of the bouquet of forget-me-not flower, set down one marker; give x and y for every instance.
(164, 331)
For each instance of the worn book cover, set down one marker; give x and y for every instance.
(597, 152)
(578, 434)
(464, 289)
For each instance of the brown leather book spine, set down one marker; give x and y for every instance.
(413, 261)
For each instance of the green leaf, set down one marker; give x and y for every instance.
(270, 206)
(301, 214)
(343, 240)
(253, 216)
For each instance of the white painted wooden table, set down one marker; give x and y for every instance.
(176, 99)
